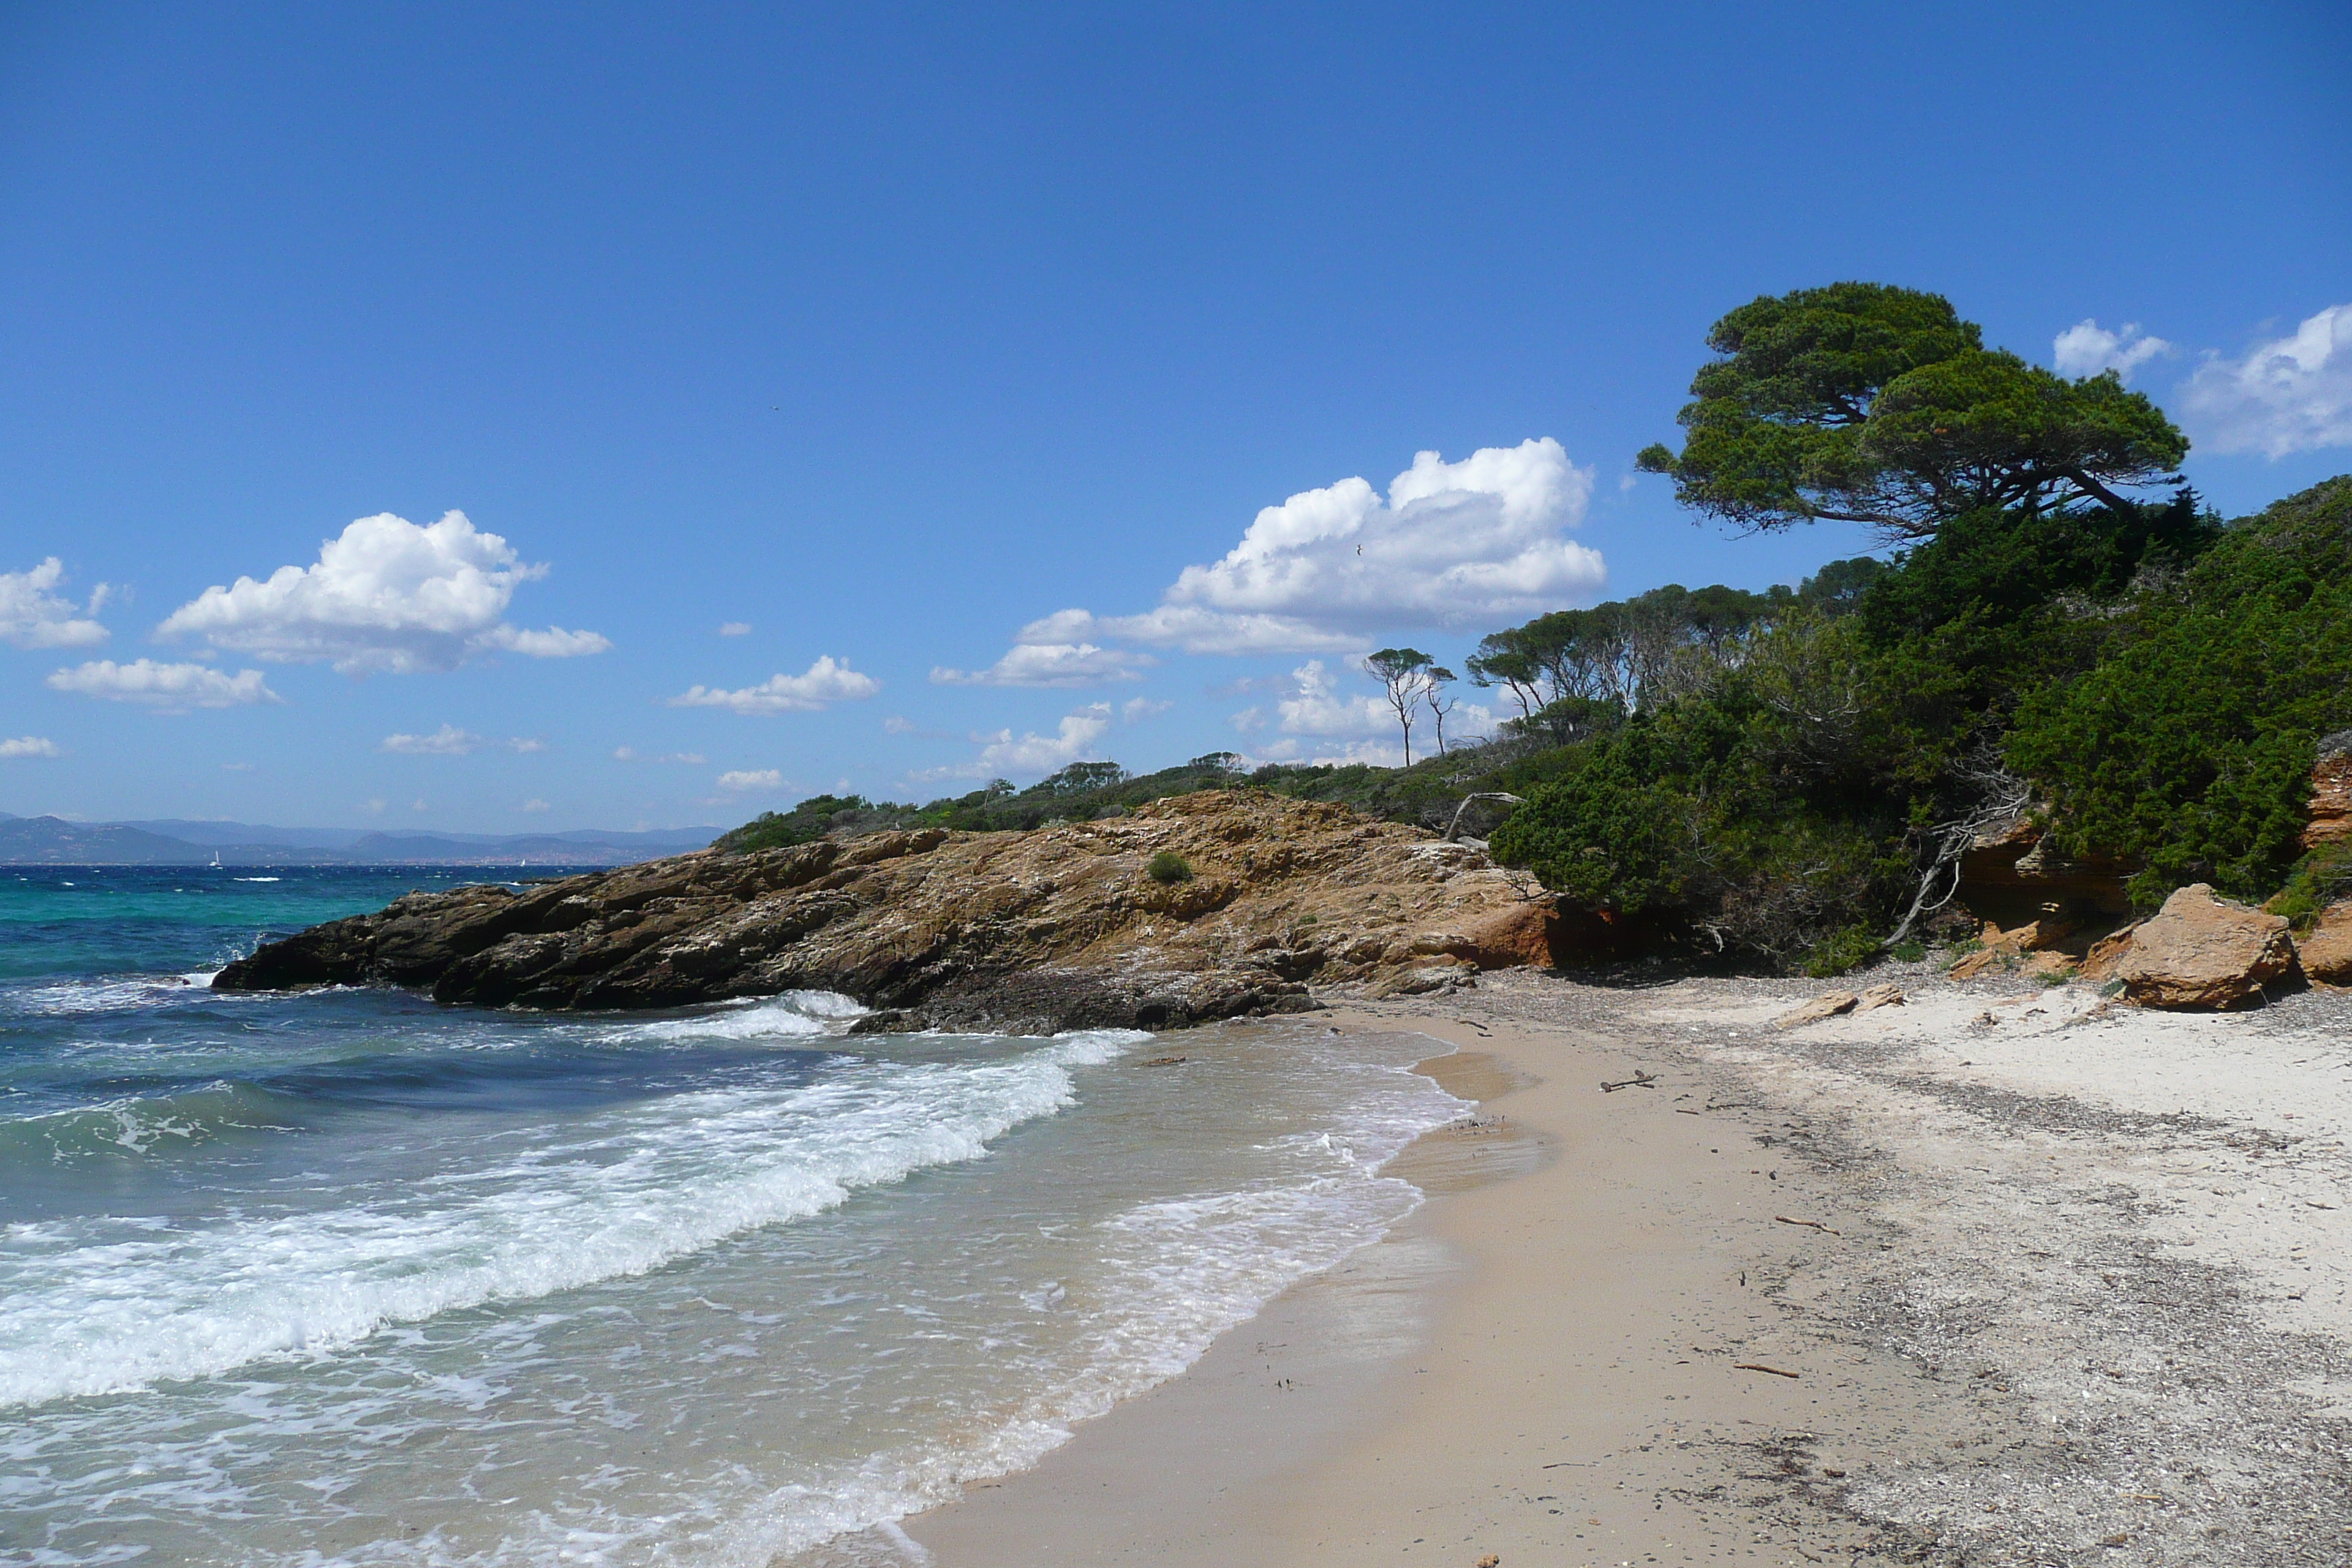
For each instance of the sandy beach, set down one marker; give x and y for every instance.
(2002, 1275)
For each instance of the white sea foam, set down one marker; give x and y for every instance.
(624, 1192)
(793, 1012)
(863, 1366)
(67, 998)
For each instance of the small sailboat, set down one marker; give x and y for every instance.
(216, 864)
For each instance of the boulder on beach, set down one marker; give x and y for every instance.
(2201, 951)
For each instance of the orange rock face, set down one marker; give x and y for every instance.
(2326, 952)
(2331, 798)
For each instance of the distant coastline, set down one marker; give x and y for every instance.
(53, 841)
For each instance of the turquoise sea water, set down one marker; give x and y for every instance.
(345, 1277)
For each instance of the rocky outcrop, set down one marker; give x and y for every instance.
(2200, 952)
(2325, 951)
(1058, 928)
(2331, 793)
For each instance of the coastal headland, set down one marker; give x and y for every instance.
(1218, 904)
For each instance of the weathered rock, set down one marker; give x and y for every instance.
(2106, 955)
(2331, 793)
(2200, 951)
(1828, 1004)
(1879, 997)
(1421, 980)
(1519, 934)
(1058, 928)
(2326, 951)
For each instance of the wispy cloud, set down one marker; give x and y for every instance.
(447, 742)
(385, 596)
(734, 628)
(900, 724)
(825, 682)
(631, 754)
(27, 746)
(1052, 664)
(741, 779)
(168, 688)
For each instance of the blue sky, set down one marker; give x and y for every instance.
(884, 334)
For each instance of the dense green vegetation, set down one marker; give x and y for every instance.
(1788, 778)
(1800, 788)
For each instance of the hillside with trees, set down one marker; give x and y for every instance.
(1788, 779)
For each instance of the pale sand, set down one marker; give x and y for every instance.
(2085, 1296)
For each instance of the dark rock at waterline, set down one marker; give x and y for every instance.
(1059, 928)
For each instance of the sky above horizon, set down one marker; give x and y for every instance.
(485, 418)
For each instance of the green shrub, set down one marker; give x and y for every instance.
(1849, 949)
(2320, 879)
(1168, 867)
(2189, 746)
(1909, 951)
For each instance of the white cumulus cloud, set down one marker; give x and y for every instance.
(1077, 739)
(32, 615)
(735, 628)
(447, 742)
(27, 746)
(2290, 395)
(1316, 707)
(2087, 348)
(385, 596)
(1468, 544)
(631, 754)
(534, 804)
(1052, 664)
(172, 687)
(741, 779)
(1136, 709)
(825, 681)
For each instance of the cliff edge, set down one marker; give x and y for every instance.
(1057, 928)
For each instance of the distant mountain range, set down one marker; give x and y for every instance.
(53, 841)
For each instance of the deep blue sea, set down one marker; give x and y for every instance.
(345, 1277)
